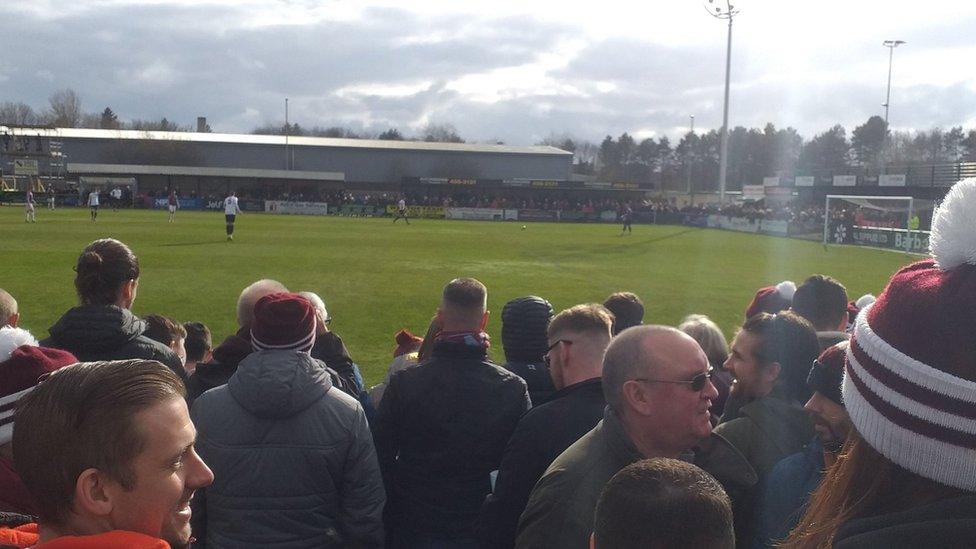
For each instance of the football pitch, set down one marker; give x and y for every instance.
(376, 277)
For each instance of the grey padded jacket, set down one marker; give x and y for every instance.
(293, 460)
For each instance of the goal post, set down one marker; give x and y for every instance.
(891, 222)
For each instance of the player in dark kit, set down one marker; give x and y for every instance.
(625, 216)
(401, 211)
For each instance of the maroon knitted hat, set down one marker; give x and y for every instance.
(827, 374)
(772, 299)
(406, 343)
(910, 379)
(283, 321)
(19, 375)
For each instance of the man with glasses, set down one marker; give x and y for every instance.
(578, 338)
(656, 384)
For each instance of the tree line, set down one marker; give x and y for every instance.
(755, 153)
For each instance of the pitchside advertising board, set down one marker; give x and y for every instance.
(484, 214)
(895, 239)
(185, 203)
(297, 208)
(430, 212)
(892, 180)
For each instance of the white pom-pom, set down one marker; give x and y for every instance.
(11, 338)
(864, 301)
(786, 289)
(953, 239)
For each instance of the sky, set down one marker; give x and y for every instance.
(497, 70)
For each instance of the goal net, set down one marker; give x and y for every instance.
(890, 222)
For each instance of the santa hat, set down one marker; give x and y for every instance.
(283, 322)
(11, 338)
(406, 343)
(19, 374)
(772, 299)
(910, 380)
(827, 374)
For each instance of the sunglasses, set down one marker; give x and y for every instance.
(545, 357)
(696, 383)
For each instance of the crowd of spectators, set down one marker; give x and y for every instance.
(839, 423)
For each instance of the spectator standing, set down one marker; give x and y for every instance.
(787, 488)
(772, 299)
(578, 338)
(664, 504)
(822, 300)
(292, 454)
(106, 450)
(235, 347)
(655, 381)
(627, 309)
(198, 345)
(441, 427)
(524, 322)
(907, 477)
(764, 417)
(9, 315)
(703, 330)
(20, 371)
(169, 333)
(103, 327)
(330, 349)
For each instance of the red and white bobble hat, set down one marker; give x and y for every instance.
(772, 299)
(910, 380)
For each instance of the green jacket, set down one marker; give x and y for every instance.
(560, 511)
(766, 430)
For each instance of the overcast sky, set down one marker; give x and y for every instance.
(509, 70)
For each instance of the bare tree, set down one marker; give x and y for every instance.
(441, 133)
(65, 109)
(18, 114)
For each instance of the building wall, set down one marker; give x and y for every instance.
(359, 165)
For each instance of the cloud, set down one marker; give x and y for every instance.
(515, 73)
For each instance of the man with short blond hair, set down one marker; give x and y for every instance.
(578, 338)
(441, 428)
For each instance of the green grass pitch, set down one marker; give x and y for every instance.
(377, 277)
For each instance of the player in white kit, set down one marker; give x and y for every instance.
(231, 210)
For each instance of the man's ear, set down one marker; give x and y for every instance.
(635, 395)
(93, 496)
(12, 321)
(484, 321)
(771, 372)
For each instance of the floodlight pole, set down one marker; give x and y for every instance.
(891, 45)
(287, 131)
(724, 13)
(688, 169)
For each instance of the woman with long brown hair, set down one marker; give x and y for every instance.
(907, 475)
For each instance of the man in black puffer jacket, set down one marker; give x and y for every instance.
(292, 455)
(524, 323)
(442, 427)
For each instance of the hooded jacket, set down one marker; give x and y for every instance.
(236, 347)
(292, 456)
(524, 323)
(108, 332)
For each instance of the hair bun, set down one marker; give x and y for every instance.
(90, 260)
